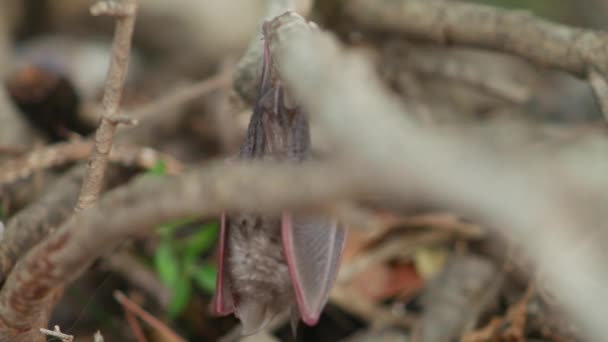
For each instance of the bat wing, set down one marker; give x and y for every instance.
(313, 248)
(223, 303)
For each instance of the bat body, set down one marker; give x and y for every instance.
(270, 265)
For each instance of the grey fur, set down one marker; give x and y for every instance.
(257, 269)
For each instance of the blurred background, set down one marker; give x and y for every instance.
(54, 59)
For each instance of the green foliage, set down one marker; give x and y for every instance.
(205, 276)
(159, 169)
(176, 262)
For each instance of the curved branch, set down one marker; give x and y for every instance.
(514, 31)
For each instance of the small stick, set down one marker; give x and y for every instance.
(57, 333)
(121, 48)
(67, 152)
(137, 331)
(146, 317)
(183, 95)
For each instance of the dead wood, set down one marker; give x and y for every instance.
(121, 48)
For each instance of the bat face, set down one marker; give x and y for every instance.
(271, 265)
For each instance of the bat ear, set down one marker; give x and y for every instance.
(223, 303)
(313, 247)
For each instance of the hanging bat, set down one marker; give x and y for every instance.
(271, 265)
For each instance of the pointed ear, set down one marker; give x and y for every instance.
(223, 302)
(313, 248)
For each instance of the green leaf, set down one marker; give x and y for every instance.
(167, 263)
(204, 277)
(201, 241)
(159, 169)
(170, 227)
(181, 297)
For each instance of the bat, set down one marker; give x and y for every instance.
(272, 265)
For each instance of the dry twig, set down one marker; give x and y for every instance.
(129, 305)
(135, 327)
(63, 153)
(121, 49)
(140, 276)
(33, 223)
(183, 95)
(57, 333)
(514, 31)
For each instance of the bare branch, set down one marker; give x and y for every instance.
(455, 67)
(63, 153)
(121, 49)
(134, 324)
(514, 31)
(316, 71)
(139, 276)
(129, 305)
(182, 95)
(33, 223)
(57, 333)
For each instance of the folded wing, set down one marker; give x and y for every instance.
(313, 248)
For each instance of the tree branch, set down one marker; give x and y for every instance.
(514, 31)
(581, 52)
(121, 49)
(63, 153)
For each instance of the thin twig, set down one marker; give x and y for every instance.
(146, 317)
(183, 95)
(515, 31)
(452, 66)
(121, 49)
(140, 276)
(57, 333)
(135, 327)
(66, 152)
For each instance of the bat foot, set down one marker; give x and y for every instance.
(254, 316)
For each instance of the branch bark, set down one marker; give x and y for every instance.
(518, 32)
(121, 49)
(63, 153)
(514, 31)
